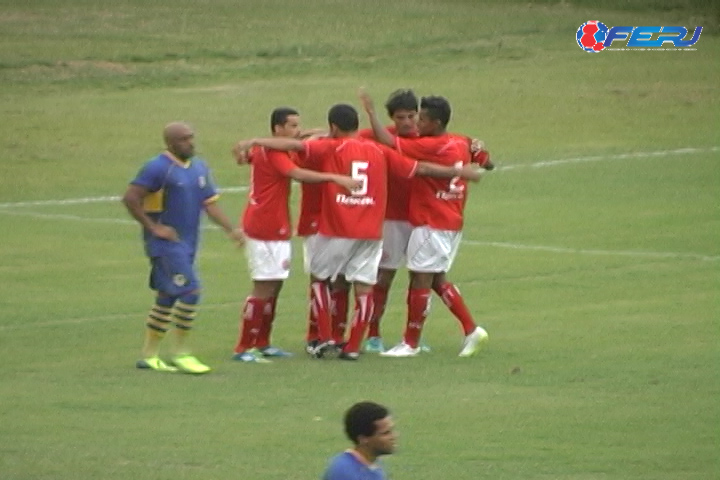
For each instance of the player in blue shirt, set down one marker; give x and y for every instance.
(167, 197)
(371, 429)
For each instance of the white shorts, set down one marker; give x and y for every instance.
(432, 251)
(357, 260)
(396, 235)
(268, 260)
(309, 250)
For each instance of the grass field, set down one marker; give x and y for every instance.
(591, 255)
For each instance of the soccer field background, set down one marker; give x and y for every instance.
(590, 254)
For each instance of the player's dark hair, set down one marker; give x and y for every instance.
(280, 115)
(403, 99)
(344, 116)
(360, 419)
(437, 108)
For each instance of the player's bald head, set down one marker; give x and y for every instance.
(178, 138)
(174, 131)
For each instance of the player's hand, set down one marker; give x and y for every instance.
(313, 133)
(480, 155)
(471, 172)
(349, 183)
(366, 100)
(241, 157)
(476, 145)
(240, 151)
(238, 236)
(165, 232)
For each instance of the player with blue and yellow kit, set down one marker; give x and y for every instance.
(167, 197)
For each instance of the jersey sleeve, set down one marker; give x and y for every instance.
(210, 192)
(280, 161)
(151, 176)
(366, 133)
(418, 147)
(311, 156)
(398, 164)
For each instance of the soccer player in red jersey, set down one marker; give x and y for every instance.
(402, 108)
(349, 237)
(436, 213)
(266, 223)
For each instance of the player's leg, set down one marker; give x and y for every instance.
(175, 276)
(361, 270)
(422, 265)
(184, 313)
(269, 264)
(380, 296)
(396, 235)
(339, 293)
(324, 268)
(263, 342)
(158, 322)
(312, 336)
(475, 336)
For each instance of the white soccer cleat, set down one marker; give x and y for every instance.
(474, 342)
(401, 350)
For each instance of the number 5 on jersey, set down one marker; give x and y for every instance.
(359, 173)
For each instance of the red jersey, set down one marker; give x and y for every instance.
(309, 217)
(267, 216)
(359, 214)
(398, 205)
(435, 202)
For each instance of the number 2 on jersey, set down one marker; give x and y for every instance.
(454, 187)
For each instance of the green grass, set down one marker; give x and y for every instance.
(597, 278)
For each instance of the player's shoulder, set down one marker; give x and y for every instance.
(199, 164)
(159, 163)
(341, 465)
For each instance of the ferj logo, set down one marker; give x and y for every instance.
(595, 36)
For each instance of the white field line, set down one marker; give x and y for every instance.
(619, 156)
(587, 251)
(86, 200)
(6, 208)
(545, 163)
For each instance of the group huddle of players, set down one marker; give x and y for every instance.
(372, 200)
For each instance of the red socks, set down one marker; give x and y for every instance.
(263, 338)
(251, 323)
(380, 296)
(418, 308)
(361, 318)
(320, 304)
(453, 299)
(339, 300)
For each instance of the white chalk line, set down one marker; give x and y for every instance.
(87, 200)
(586, 251)
(541, 164)
(548, 163)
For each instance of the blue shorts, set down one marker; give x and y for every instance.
(173, 273)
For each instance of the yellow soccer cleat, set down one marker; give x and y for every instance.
(155, 363)
(188, 364)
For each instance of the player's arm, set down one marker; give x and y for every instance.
(403, 166)
(471, 172)
(216, 214)
(479, 154)
(276, 143)
(310, 176)
(133, 201)
(382, 135)
(313, 133)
